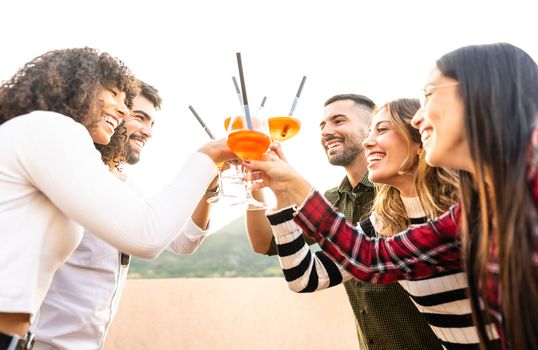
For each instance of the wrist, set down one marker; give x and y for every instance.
(212, 191)
(209, 151)
(294, 194)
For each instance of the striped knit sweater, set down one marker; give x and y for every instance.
(441, 299)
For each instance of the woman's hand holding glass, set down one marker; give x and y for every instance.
(288, 186)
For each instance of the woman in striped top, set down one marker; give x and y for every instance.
(408, 192)
(478, 115)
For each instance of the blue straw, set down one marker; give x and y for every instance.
(238, 92)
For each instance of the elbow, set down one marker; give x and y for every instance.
(148, 254)
(292, 288)
(298, 288)
(186, 252)
(259, 249)
(184, 246)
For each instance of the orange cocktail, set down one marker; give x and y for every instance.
(238, 123)
(283, 127)
(248, 144)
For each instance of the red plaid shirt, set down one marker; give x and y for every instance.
(414, 254)
(418, 253)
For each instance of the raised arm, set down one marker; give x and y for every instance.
(303, 270)
(258, 229)
(195, 230)
(416, 253)
(257, 226)
(76, 181)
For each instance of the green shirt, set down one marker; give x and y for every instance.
(385, 316)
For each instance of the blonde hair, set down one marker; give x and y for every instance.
(436, 187)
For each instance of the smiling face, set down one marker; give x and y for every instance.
(111, 112)
(342, 132)
(139, 126)
(388, 151)
(441, 124)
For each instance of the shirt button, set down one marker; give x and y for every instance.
(363, 311)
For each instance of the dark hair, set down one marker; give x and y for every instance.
(66, 81)
(151, 93)
(498, 84)
(115, 152)
(358, 99)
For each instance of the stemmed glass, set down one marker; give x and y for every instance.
(220, 191)
(286, 126)
(249, 138)
(283, 127)
(237, 176)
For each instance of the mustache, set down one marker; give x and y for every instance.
(331, 138)
(138, 136)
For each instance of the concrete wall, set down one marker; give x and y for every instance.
(230, 313)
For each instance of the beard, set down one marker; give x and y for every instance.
(346, 157)
(131, 156)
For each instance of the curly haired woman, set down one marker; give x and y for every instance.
(53, 182)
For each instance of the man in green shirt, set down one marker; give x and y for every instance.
(385, 316)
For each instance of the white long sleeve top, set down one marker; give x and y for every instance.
(85, 292)
(53, 183)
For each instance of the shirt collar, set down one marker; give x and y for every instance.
(345, 185)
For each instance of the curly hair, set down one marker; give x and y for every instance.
(114, 153)
(436, 187)
(68, 81)
(65, 81)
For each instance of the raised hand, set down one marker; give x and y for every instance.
(288, 186)
(218, 150)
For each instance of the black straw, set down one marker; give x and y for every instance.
(202, 123)
(263, 102)
(243, 90)
(297, 96)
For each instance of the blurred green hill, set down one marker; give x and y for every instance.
(225, 253)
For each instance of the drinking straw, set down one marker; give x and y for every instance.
(202, 123)
(262, 104)
(243, 90)
(297, 96)
(238, 92)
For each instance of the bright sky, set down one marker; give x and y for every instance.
(383, 49)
